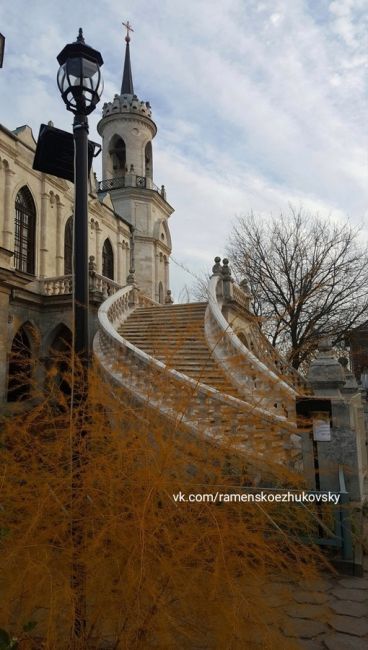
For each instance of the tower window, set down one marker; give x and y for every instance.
(148, 160)
(25, 226)
(107, 260)
(68, 247)
(118, 155)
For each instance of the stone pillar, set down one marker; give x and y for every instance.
(4, 311)
(8, 228)
(45, 199)
(98, 257)
(155, 291)
(59, 238)
(327, 378)
(166, 274)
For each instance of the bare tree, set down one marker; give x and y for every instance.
(308, 277)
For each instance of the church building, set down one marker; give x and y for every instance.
(129, 236)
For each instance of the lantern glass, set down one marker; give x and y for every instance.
(80, 83)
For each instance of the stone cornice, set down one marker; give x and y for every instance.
(144, 194)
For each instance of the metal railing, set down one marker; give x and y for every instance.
(129, 180)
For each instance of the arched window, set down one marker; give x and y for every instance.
(25, 227)
(161, 293)
(68, 247)
(20, 368)
(148, 160)
(117, 155)
(107, 260)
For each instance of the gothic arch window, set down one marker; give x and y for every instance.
(148, 160)
(20, 367)
(25, 230)
(68, 247)
(107, 260)
(117, 153)
(160, 293)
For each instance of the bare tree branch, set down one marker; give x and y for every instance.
(308, 277)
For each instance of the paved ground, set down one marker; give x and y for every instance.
(330, 614)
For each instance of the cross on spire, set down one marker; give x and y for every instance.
(127, 83)
(129, 28)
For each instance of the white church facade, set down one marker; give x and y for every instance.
(129, 236)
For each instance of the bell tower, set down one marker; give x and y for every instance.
(127, 130)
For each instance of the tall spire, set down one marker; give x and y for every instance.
(127, 83)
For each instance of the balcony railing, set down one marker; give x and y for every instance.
(130, 180)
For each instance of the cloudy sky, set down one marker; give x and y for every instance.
(257, 103)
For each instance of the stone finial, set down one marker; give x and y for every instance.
(226, 271)
(325, 344)
(130, 278)
(92, 264)
(217, 268)
(245, 286)
(168, 298)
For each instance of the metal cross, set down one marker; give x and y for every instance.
(129, 29)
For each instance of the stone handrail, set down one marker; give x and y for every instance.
(240, 297)
(62, 285)
(199, 407)
(266, 349)
(230, 352)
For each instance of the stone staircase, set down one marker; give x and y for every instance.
(186, 364)
(174, 334)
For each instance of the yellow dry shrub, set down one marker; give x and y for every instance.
(159, 574)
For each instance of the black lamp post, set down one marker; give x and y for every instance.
(80, 83)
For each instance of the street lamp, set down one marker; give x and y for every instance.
(80, 83)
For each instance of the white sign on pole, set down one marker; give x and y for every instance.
(321, 430)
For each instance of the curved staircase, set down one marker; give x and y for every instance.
(186, 362)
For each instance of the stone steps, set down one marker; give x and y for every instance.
(174, 334)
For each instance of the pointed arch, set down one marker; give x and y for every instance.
(25, 231)
(107, 260)
(68, 247)
(20, 367)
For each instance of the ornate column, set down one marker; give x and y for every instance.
(166, 274)
(59, 238)
(8, 229)
(119, 255)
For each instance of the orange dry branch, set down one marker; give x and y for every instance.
(160, 574)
